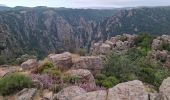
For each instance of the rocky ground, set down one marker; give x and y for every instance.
(76, 79)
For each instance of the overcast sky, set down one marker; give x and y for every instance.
(85, 3)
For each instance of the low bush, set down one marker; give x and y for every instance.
(72, 79)
(45, 66)
(48, 68)
(107, 84)
(166, 46)
(100, 76)
(130, 66)
(104, 81)
(82, 52)
(2, 60)
(14, 82)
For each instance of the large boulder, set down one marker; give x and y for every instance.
(156, 44)
(165, 38)
(112, 44)
(95, 48)
(47, 95)
(8, 70)
(68, 93)
(122, 46)
(89, 62)
(62, 61)
(154, 96)
(159, 55)
(30, 64)
(95, 95)
(104, 49)
(164, 89)
(26, 94)
(167, 63)
(132, 90)
(130, 37)
(85, 77)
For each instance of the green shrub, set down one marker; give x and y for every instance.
(147, 74)
(104, 81)
(98, 82)
(133, 65)
(2, 60)
(120, 66)
(14, 82)
(45, 67)
(113, 80)
(52, 71)
(144, 40)
(166, 46)
(107, 84)
(100, 77)
(72, 79)
(82, 52)
(159, 76)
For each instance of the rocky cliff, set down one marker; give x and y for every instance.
(40, 31)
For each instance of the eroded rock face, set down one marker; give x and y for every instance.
(85, 76)
(62, 61)
(89, 62)
(68, 93)
(29, 64)
(26, 94)
(165, 89)
(95, 95)
(132, 90)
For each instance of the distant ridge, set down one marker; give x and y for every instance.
(3, 5)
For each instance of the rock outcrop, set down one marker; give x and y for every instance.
(118, 44)
(8, 70)
(159, 55)
(88, 62)
(95, 95)
(68, 93)
(159, 41)
(85, 76)
(62, 61)
(156, 44)
(165, 89)
(132, 90)
(47, 95)
(104, 48)
(26, 94)
(30, 64)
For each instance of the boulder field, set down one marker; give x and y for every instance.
(85, 67)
